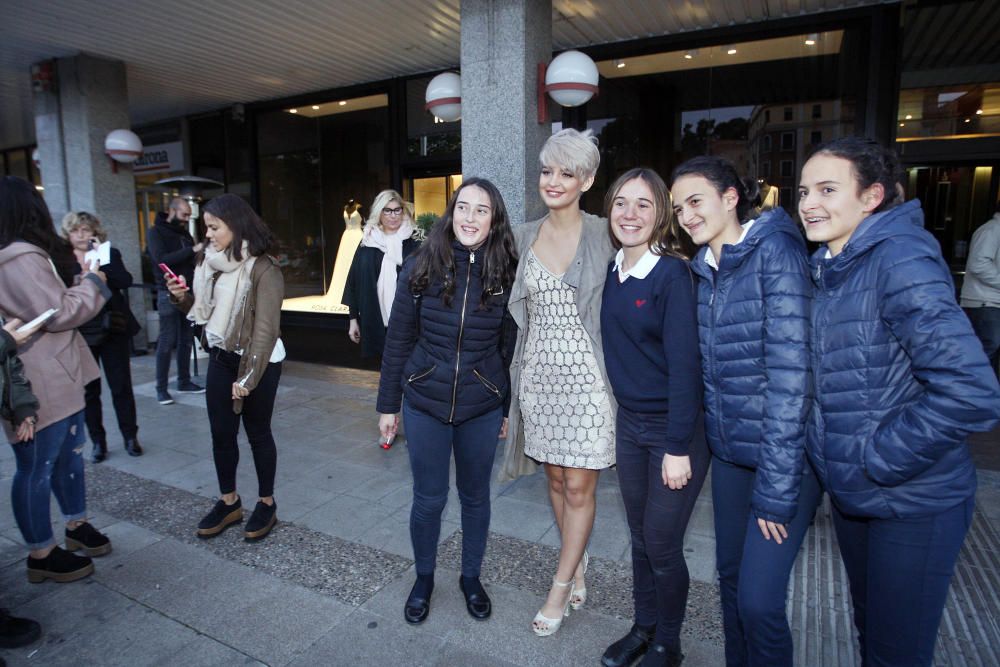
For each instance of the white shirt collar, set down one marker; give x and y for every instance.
(641, 268)
(710, 256)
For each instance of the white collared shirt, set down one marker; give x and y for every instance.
(641, 269)
(710, 256)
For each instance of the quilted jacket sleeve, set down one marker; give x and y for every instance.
(959, 391)
(786, 291)
(399, 343)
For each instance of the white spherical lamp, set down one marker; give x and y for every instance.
(571, 78)
(444, 96)
(123, 146)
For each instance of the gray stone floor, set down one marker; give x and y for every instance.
(326, 588)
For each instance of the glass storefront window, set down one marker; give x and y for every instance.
(427, 136)
(763, 104)
(949, 112)
(320, 167)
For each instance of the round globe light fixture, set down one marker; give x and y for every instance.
(444, 96)
(123, 146)
(571, 78)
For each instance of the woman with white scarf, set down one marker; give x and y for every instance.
(236, 300)
(371, 282)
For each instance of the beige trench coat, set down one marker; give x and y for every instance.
(586, 275)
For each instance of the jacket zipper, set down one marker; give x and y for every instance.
(486, 383)
(417, 376)
(461, 329)
(711, 361)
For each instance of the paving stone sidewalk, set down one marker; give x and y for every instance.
(327, 587)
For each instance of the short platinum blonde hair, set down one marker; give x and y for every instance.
(382, 200)
(572, 150)
(75, 219)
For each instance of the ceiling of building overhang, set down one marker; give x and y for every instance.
(188, 56)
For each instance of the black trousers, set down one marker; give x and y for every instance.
(257, 409)
(113, 356)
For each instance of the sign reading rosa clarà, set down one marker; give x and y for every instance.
(161, 157)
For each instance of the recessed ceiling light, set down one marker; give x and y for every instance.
(731, 50)
(909, 116)
(691, 54)
(968, 120)
(315, 107)
(902, 124)
(979, 112)
(342, 103)
(619, 63)
(812, 39)
(293, 111)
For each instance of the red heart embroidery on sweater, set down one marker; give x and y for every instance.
(639, 303)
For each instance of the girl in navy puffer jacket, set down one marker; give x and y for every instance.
(753, 321)
(900, 380)
(447, 361)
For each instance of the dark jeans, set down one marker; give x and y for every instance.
(113, 355)
(753, 572)
(657, 518)
(51, 463)
(257, 409)
(986, 323)
(175, 331)
(430, 444)
(899, 572)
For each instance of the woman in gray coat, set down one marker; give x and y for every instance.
(562, 413)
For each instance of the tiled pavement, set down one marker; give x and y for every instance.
(326, 588)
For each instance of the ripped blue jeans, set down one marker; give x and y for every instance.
(53, 461)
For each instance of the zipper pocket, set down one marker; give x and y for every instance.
(486, 383)
(420, 375)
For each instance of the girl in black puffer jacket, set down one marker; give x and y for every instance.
(446, 359)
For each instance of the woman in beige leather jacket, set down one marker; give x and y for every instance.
(562, 412)
(236, 301)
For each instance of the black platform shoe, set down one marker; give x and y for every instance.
(629, 648)
(100, 451)
(418, 603)
(476, 600)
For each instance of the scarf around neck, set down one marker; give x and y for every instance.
(220, 286)
(391, 246)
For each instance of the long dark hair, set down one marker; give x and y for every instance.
(24, 216)
(666, 238)
(435, 260)
(722, 174)
(872, 163)
(244, 223)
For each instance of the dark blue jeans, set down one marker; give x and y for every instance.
(899, 572)
(986, 323)
(430, 444)
(52, 462)
(753, 572)
(657, 519)
(175, 331)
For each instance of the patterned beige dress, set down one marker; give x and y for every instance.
(565, 408)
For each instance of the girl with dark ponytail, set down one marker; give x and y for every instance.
(900, 381)
(753, 327)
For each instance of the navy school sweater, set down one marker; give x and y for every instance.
(649, 328)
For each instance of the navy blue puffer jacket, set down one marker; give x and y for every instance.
(900, 378)
(458, 366)
(753, 323)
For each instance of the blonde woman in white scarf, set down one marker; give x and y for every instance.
(371, 283)
(236, 300)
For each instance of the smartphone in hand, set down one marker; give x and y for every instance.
(167, 272)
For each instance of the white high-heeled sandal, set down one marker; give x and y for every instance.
(553, 624)
(579, 596)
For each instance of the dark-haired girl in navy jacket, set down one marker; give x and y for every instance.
(650, 338)
(753, 321)
(900, 381)
(446, 359)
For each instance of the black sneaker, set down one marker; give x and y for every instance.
(86, 537)
(163, 397)
(263, 519)
(221, 517)
(17, 632)
(59, 565)
(189, 388)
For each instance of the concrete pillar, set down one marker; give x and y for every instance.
(89, 99)
(502, 43)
